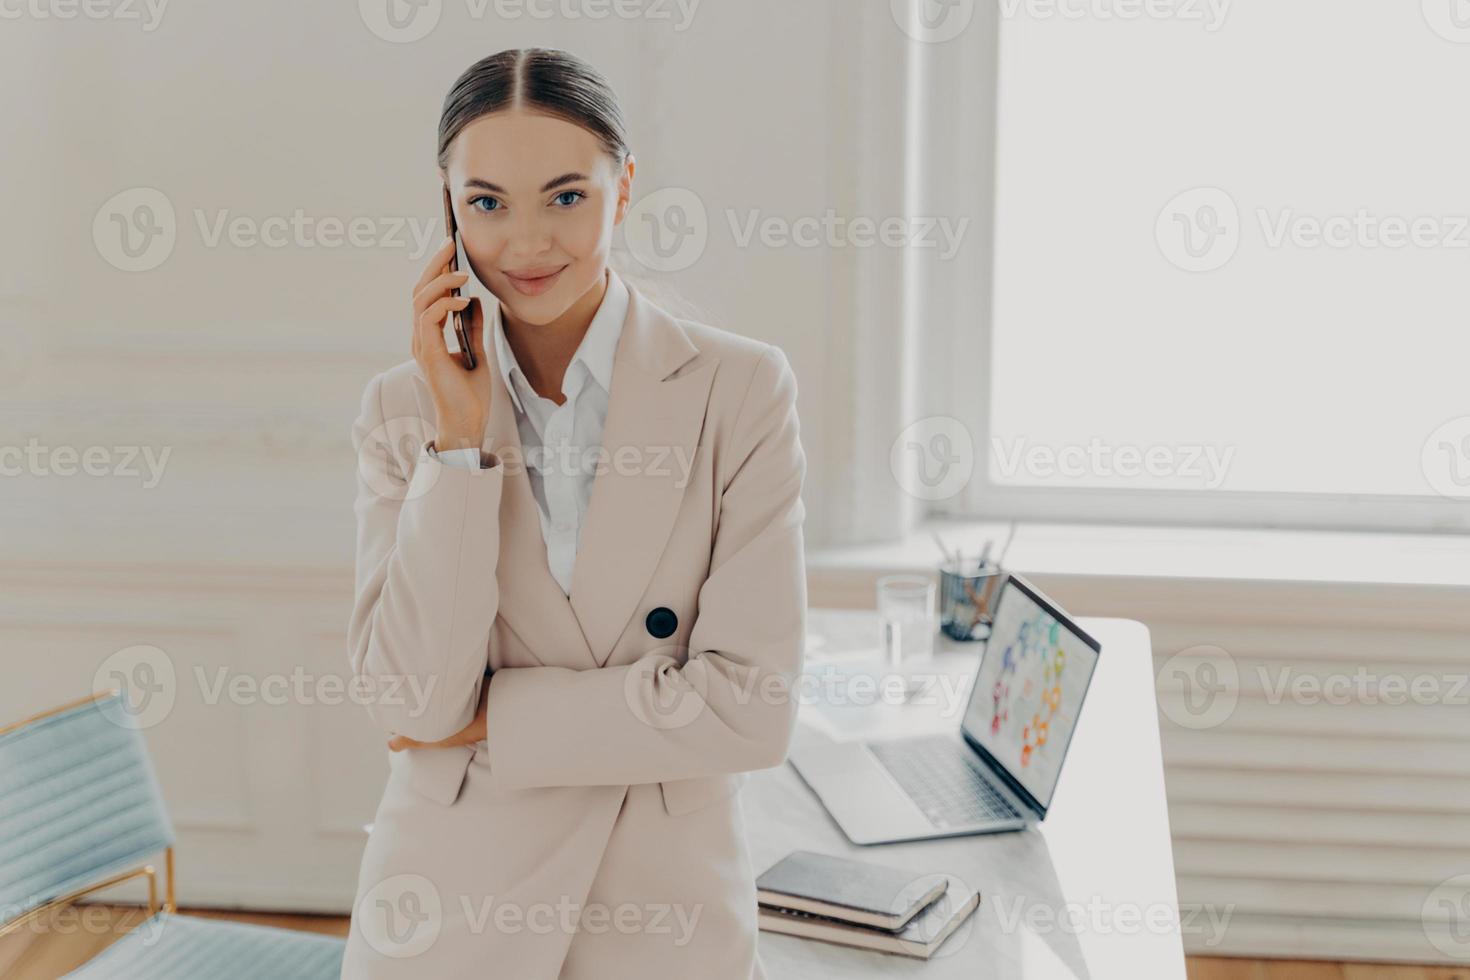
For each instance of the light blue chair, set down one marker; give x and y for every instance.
(80, 811)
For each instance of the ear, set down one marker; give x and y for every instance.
(625, 190)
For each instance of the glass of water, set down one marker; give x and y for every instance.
(906, 619)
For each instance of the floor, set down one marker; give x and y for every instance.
(1219, 968)
(73, 936)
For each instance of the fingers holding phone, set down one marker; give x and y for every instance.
(466, 352)
(461, 396)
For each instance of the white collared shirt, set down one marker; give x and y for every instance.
(561, 444)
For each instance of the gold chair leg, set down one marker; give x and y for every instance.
(168, 858)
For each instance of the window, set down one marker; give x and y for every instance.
(1232, 269)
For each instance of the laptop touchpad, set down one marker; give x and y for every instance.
(865, 800)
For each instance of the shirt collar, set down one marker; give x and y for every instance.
(595, 352)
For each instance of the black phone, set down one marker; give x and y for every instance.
(461, 331)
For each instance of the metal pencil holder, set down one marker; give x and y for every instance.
(965, 593)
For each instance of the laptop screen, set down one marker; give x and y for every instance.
(1029, 688)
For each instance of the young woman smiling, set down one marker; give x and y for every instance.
(586, 554)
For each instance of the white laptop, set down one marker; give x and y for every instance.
(998, 772)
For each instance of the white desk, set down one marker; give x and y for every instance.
(1089, 894)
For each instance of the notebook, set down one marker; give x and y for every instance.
(858, 892)
(924, 934)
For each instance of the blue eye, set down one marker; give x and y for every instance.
(476, 203)
(577, 196)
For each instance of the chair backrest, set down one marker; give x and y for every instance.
(78, 801)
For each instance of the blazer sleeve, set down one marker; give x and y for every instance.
(731, 706)
(428, 540)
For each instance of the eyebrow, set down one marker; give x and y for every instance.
(569, 178)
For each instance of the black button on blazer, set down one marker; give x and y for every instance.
(662, 622)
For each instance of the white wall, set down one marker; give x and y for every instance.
(245, 365)
(265, 109)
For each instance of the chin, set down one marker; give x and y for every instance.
(539, 310)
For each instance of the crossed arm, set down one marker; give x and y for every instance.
(729, 707)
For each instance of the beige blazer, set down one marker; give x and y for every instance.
(597, 831)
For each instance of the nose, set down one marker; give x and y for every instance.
(529, 235)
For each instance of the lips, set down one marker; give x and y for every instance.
(532, 282)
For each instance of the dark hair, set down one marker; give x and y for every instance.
(553, 82)
(558, 84)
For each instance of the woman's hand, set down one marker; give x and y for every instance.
(461, 398)
(474, 732)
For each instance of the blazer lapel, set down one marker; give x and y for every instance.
(649, 438)
(531, 600)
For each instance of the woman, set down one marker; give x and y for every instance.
(580, 585)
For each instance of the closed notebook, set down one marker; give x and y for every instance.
(924, 934)
(842, 888)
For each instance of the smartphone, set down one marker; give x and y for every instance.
(461, 331)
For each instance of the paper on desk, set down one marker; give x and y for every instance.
(869, 698)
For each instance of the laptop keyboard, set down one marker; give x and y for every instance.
(937, 775)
